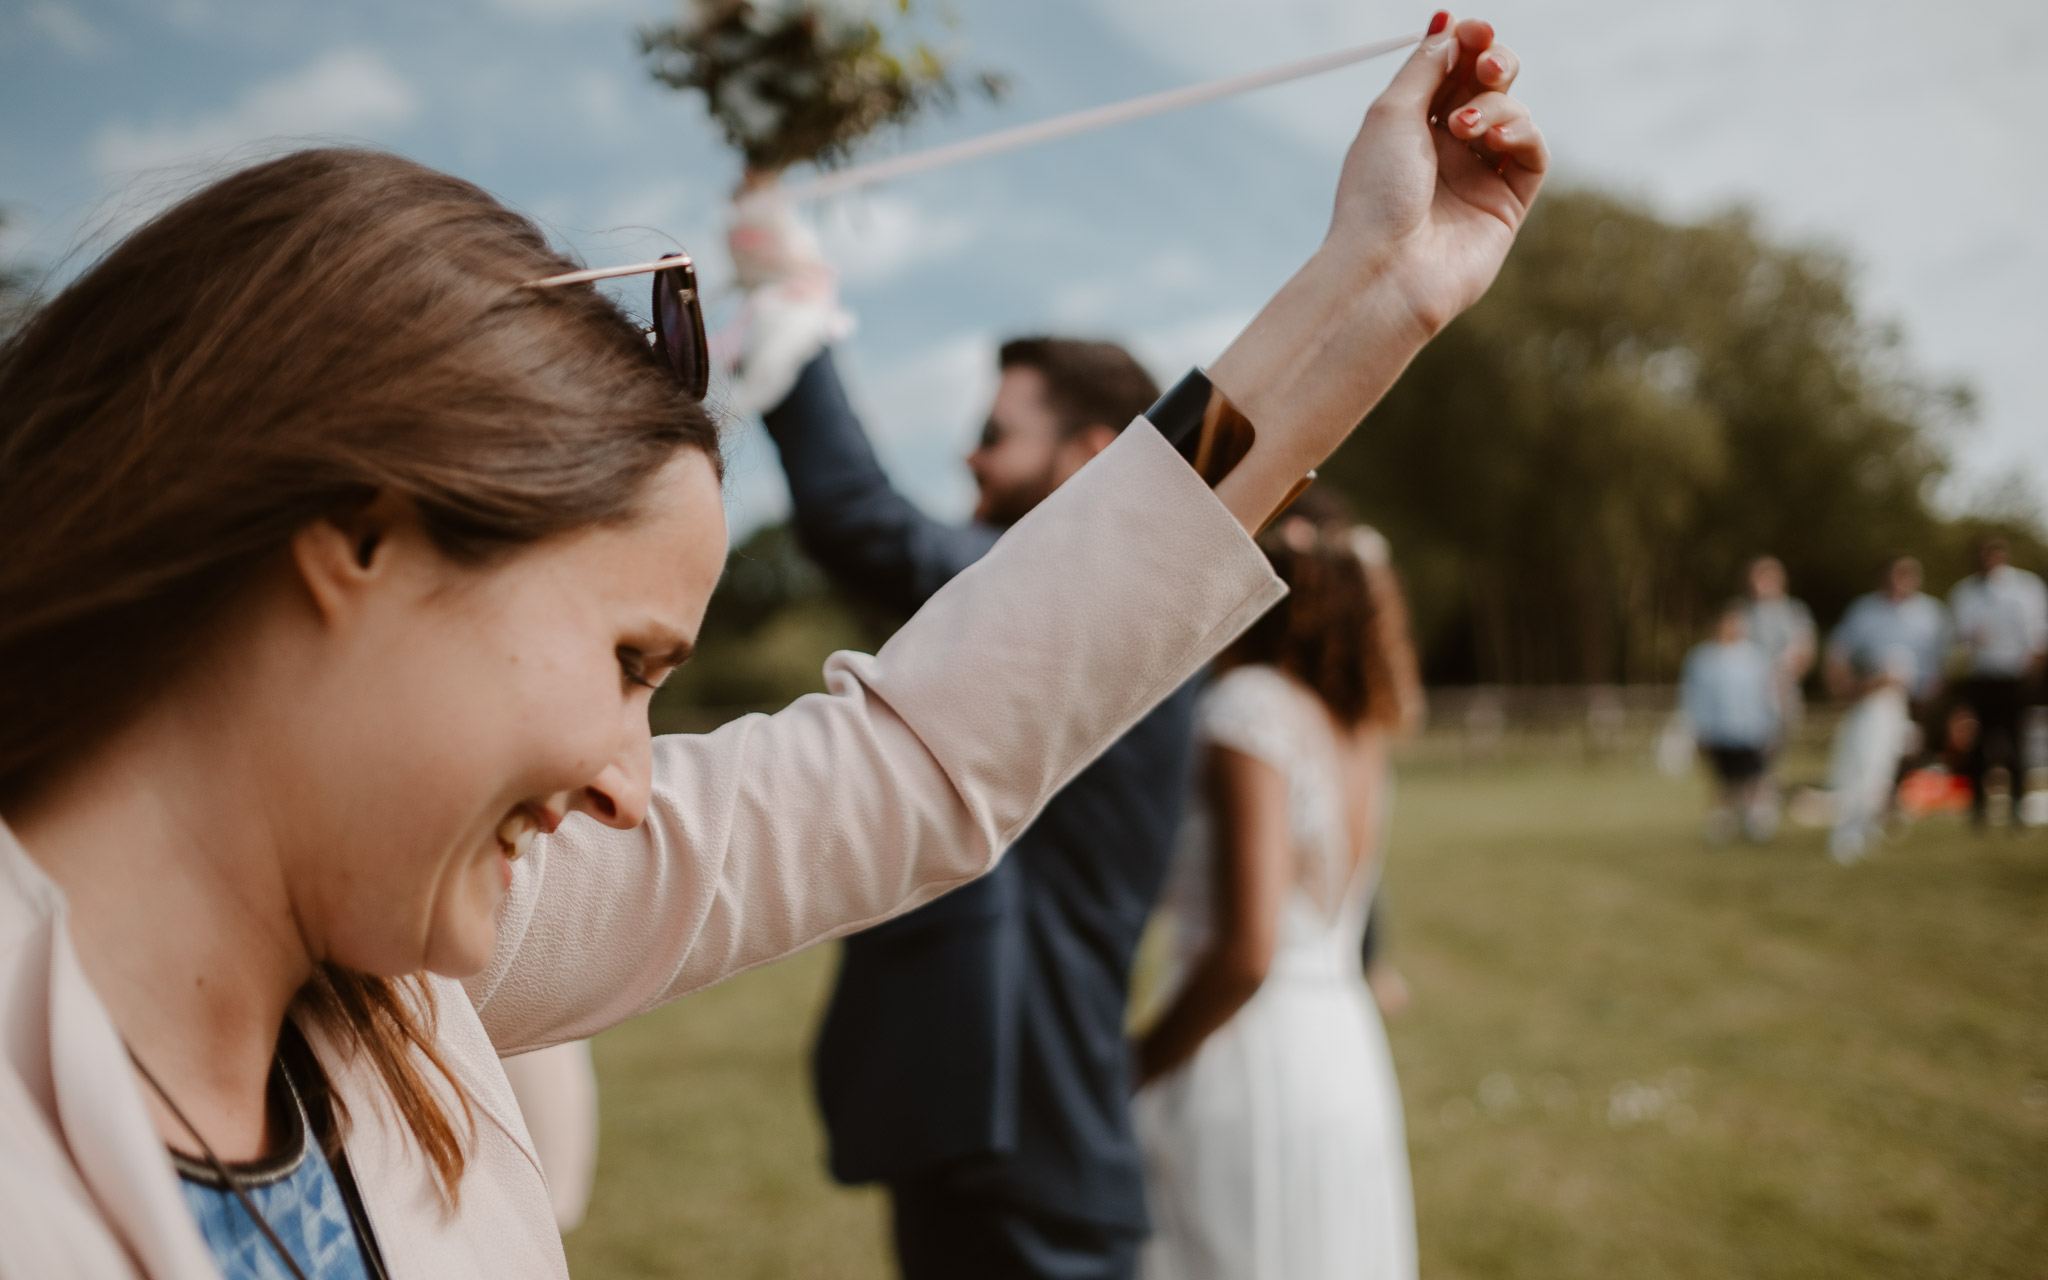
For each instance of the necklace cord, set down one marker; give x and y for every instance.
(220, 1169)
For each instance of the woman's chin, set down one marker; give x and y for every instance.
(461, 947)
(459, 958)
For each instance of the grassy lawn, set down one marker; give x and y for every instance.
(1629, 1056)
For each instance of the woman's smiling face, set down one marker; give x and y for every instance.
(435, 715)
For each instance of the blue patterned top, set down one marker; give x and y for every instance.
(298, 1195)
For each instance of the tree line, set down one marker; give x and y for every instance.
(1576, 471)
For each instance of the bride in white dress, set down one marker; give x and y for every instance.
(1269, 1114)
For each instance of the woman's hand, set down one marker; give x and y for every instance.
(1434, 188)
(1440, 177)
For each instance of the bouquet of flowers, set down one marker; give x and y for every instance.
(791, 81)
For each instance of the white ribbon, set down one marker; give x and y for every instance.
(1066, 126)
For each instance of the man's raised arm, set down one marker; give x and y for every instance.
(849, 517)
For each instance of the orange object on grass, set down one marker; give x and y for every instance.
(1934, 790)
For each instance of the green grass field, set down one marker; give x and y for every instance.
(1629, 1056)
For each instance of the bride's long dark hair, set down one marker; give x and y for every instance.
(1343, 628)
(296, 338)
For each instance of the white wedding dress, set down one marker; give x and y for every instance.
(1278, 1151)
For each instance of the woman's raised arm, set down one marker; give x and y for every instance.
(908, 777)
(923, 762)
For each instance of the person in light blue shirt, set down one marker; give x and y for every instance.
(1896, 620)
(1783, 626)
(1729, 692)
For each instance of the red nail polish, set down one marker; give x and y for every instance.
(1469, 117)
(1440, 21)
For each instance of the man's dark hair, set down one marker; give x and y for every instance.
(1086, 383)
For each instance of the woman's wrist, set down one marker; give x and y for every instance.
(1307, 369)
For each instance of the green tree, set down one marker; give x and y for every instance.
(1573, 474)
(1576, 470)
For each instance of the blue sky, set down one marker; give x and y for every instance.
(1886, 128)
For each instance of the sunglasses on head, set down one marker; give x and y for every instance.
(678, 315)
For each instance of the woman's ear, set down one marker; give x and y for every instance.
(344, 553)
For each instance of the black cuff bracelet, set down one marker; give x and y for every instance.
(1199, 421)
(1210, 432)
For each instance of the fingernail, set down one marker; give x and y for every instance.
(1440, 21)
(1469, 118)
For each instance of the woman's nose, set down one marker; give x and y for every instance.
(618, 796)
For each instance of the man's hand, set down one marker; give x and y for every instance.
(791, 310)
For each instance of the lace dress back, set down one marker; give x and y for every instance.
(1269, 716)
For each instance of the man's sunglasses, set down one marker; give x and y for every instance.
(678, 315)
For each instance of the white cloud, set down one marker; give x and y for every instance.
(1170, 351)
(876, 236)
(1088, 302)
(66, 28)
(1084, 301)
(600, 98)
(941, 393)
(348, 91)
(1877, 125)
(923, 413)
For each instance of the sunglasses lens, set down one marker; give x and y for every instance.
(679, 325)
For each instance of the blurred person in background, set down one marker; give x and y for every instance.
(1886, 657)
(1269, 1111)
(1782, 626)
(1731, 690)
(972, 1055)
(2001, 623)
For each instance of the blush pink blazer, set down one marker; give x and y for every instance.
(909, 776)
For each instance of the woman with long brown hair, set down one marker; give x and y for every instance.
(1270, 1118)
(343, 541)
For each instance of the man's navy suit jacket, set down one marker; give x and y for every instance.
(980, 1038)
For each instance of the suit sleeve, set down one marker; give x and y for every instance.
(871, 539)
(910, 775)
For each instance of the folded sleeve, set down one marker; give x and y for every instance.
(908, 776)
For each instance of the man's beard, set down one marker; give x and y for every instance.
(1006, 506)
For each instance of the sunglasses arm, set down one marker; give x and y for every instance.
(607, 273)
